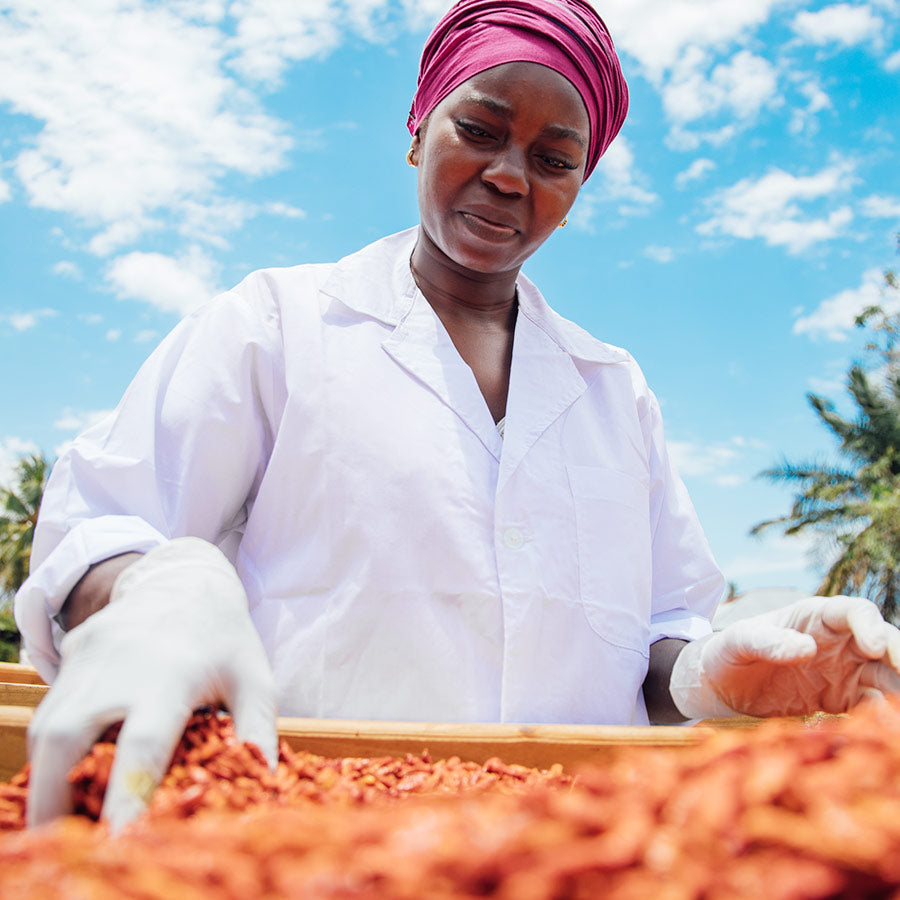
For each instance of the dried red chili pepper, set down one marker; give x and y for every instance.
(785, 812)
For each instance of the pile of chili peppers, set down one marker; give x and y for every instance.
(784, 811)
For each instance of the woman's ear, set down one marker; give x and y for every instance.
(412, 157)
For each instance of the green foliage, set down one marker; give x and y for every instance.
(854, 507)
(9, 638)
(19, 505)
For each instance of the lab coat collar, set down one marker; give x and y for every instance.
(422, 346)
(376, 281)
(565, 334)
(545, 379)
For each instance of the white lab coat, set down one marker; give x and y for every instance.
(402, 561)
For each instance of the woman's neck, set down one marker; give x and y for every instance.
(460, 294)
(479, 312)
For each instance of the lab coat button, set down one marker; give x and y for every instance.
(513, 538)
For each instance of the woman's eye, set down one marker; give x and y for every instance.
(473, 130)
(556, 163)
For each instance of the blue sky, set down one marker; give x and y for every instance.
(153, 153)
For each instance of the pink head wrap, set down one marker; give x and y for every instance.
(565, 35)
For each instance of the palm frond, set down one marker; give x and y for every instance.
(806, 471)
(853, 508)
(20, 502)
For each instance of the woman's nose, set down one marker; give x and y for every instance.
(508, 172)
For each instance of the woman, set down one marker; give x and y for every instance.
(442, 500)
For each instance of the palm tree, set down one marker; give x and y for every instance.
(855, 507)
(19, 504)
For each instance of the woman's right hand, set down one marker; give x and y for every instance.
(175, 635)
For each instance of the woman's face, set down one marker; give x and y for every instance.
(501, 160)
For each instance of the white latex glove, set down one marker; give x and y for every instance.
(821, 653)
(176, 635)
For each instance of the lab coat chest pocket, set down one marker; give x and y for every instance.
(612, 519)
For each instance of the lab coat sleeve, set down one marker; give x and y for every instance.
(182, 454)
(686, 583)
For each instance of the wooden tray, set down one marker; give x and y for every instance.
(16, 694)
(532, 745)
(540, 746)
(14, 673)
(20, 685)
(13, 724)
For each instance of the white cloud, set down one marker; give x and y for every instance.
(616, 180)
(59, 235)
(841, 23)
(118, 234)
(22, 321)
(741, 87)
(200, 10)
(140, 106)
(831, 380)
(778, 559)
(11, 450)
(826, 387)
(685, 45)
(67, 269)
(5, 189)
(284, 209)
(892, 63)
(833, 319)
(175, 284)
(877, 134)
(710, 461)
(770, 208)
(694, 172)
(618, 171)
(210, 220)
(367, 17)
(137, 115)
(272, 33)
(145, 336)
(79, 420)
(804, 119)
(688, 140)
(658, 34)
(818, 99)
(694, 460)
(878, 206)
(113, 334)
(659, 254)
(422, 14)
(748, 443)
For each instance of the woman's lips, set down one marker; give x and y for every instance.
(487, 228)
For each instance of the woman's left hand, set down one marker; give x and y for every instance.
(821, 653)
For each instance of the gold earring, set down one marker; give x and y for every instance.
(563, 223)
(409, 158)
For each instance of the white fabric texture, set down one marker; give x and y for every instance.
(401, 559)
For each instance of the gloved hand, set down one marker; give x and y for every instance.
(175, 635)
(821, 653)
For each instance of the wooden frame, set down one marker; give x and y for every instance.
(21, 689)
